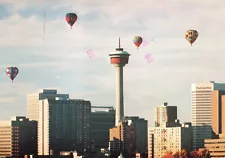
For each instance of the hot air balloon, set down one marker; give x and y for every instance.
(12, 72)
(71, 18)
(191, 36)
(137, 40)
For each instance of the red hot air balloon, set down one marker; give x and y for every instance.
(137, 40)
(71, 18)
(12, 72)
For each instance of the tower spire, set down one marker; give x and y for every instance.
(119, 42)
(119, 49)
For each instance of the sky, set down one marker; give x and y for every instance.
(55, 57)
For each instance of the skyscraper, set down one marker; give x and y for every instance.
(64, 125)
(33, 101)
(165, 115)
(119, 59)
(201, 111)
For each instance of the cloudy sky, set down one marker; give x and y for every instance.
(57, 56)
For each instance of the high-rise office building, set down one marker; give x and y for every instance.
(218, 112)
(33, 101)
(102, 119)
(165, 115)
(202, 111)
(64, 125)
(18, 137)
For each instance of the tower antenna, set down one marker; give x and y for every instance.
(119, 42)
(119, 49)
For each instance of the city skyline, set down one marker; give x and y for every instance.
(46, 64)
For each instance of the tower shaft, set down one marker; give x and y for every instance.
(119, 94)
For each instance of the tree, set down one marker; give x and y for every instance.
(193, 154)
(168, 155)
(183, 154)
(204, 153)
(176, 155)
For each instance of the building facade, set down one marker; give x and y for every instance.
(170, 139)
(218, 112)
(150, 143)
(18, 137)
(216, 147)
(102, 119)
(33, 101)
(140, 126)
(129, 137)
(64, 125)
(165, 115)
(202, 111)
(120, 136)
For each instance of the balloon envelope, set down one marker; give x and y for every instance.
(191, 36)
(71, 18)
(12, 72)
(137, 40)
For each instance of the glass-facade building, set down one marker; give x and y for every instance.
(102, 119)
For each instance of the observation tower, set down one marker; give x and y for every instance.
(119, 59)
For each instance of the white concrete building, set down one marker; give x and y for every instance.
(169, 139)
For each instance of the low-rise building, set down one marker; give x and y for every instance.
(216, 147)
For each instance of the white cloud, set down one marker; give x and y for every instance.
(168, 78)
